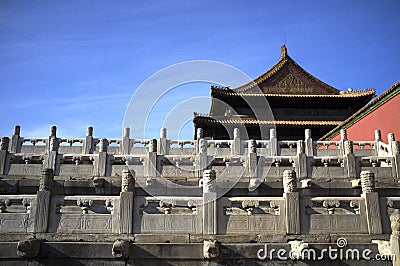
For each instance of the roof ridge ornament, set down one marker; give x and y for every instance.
(283, 51)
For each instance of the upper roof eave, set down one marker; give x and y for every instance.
(342, 94)
(370, 107)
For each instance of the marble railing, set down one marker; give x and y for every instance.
(151, 158)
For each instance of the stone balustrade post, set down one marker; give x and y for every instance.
(350, 159)
(202, 162)
(126, 141)
(5, 141)
(394, 150)
(15, 145)
(52, 148)
(43, 201)
(254, 168)
(301, 160)
(199, 133)
(396, 156)
(309, 146)
(378, 138)
(371, 197)
(163, 143)
(395, 236)
(88, 145)
(209, 203)
(152, 159)
(273, 142)
(126, 202)
(102, 161)
(252, 158)
(236, 145)
(343, 139)
(292, 203)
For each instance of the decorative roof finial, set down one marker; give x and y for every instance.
(283, 51)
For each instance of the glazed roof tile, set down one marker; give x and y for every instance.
(288, 79)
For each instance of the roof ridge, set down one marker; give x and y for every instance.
(284, 60)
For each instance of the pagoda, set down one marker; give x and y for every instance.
(294, 99)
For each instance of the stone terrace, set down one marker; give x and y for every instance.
(194, 202)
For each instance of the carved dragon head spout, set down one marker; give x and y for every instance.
(211, 249)
(28, 248)
(120, 249)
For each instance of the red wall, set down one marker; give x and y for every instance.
(386, 118)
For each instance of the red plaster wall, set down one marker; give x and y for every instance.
(386, 118)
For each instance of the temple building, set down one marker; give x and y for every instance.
(381, 113)
(297, 101)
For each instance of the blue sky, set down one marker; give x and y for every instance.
(77, 63)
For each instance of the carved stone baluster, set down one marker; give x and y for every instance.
(371, 197)
(4, 203)
(5, 141)
(292, 204)
(4, 145)
(163, 143)
(289, 181)
(43, 200)
(16, 144)
(236, 146)
(46, 179)
(367, 181)
(151, 160)
(395, 236)
(128, 180)
(199, 133)
(126, 201)
(209, 202)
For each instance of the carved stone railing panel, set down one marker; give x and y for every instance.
(33, 145)
(184, 147)
(245, 215)
(326, 148)
(76, 164)
(17, 213)
(274, 166)
(25, 164)
(287, 148)
(383, 167)
(168, 215)
(364, 148)
(322, 167)
(120, 162)
(70, 146)
(334, 215)
(84, 214)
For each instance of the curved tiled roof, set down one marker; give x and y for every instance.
(288, 79)
(285, 60)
